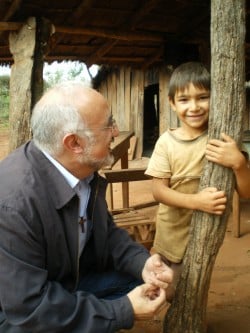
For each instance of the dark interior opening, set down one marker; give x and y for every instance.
(151, 118)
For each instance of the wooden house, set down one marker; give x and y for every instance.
(136, 43)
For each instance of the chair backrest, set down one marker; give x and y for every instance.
(125, 176)
(139, 224)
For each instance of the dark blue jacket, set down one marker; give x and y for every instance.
(39, 260)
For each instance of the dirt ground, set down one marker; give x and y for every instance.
(228, 309)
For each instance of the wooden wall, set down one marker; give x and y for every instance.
(124, 90)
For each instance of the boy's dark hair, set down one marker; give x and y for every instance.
(189, 72)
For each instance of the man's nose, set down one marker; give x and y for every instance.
(115, 131)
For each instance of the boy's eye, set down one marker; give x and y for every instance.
(182, 99)
(204, 97)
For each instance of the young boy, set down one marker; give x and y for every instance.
(177, 162)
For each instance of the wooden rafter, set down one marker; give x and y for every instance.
(15, 5)
(78, 13)
(130, 24)
(105, 33)
(154, 57)
(111, 33)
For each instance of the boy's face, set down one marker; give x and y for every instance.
(192, 107)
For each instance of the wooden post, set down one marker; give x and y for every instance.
(26, 81)
(187, 312)
(22, 47)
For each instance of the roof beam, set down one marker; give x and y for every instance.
(15, 4)
(137, 16)
(112, 34)
(10, 26)
(81, 10)
(156, 56)
(105, 33)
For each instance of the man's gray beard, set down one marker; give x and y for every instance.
(95, 163)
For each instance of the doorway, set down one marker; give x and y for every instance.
(150, 119)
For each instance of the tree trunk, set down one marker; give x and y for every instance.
(187, 313)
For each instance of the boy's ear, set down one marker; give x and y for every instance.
(73, 143)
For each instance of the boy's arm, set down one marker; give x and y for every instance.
(226, 152)
(209, 200)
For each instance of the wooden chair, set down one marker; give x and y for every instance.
(139, 225)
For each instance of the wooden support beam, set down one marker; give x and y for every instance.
(105, 33)
(22, 47)
(157, 55)
(131, 24)
(15, 4)
(79, 12)
(10, 26)
(112, 34)
(28, 47)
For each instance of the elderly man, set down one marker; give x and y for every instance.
(65, 266)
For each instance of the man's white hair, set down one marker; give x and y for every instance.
(56, 114)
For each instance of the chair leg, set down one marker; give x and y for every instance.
(109, 196)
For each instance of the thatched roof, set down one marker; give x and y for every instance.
(139, 33)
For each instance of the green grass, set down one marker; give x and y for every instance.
(4, 121)
(4, 125)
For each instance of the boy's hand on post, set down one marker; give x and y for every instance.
(224, 152)
(211, 200)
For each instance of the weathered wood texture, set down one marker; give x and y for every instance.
(43, 33)
(139, 225)
(124, 89)
(187, 313)
(167, 116)
(28, 47)
(22, 47)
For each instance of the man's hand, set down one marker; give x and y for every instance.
(156, 272)
(147, 300)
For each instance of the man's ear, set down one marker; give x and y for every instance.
(73, 143)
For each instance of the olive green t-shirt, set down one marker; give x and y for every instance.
(182, 162)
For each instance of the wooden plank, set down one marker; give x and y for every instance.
(125, 175)
(11, 26)
(120, 145)
(106, 33)
(164, 107)
(113, 88)
(121, 100)
(140, 116)
(127, 97)
(131, 152)
(116, 211)
(134, 99)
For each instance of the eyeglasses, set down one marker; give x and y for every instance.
(112, 125)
